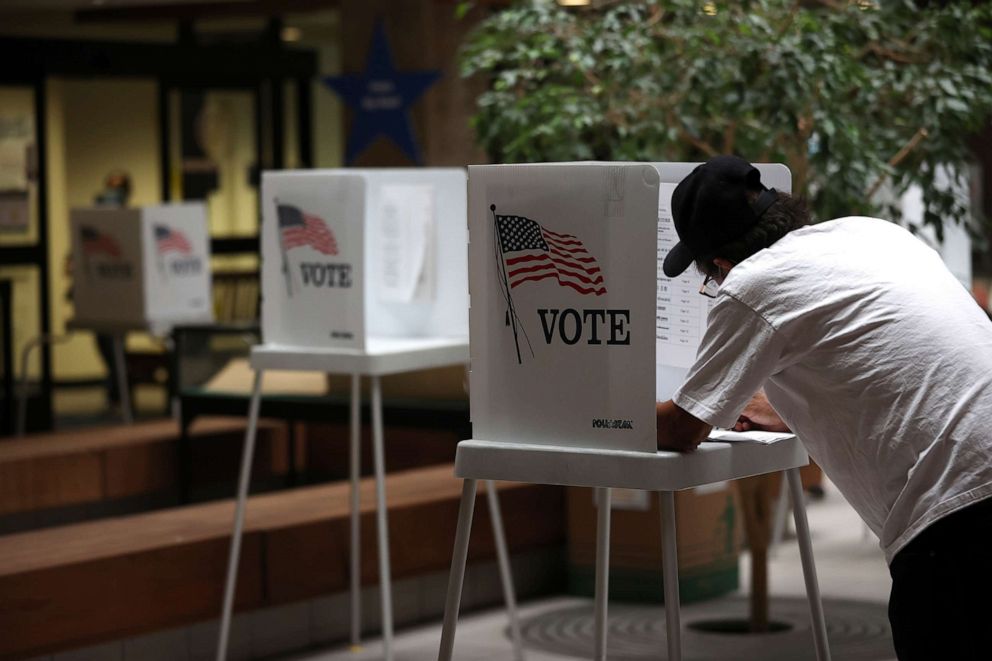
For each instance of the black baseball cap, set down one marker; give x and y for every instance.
(710, 208)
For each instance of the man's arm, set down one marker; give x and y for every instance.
(678, 429)
(759, 415)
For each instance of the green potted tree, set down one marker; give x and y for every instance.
(855, 97)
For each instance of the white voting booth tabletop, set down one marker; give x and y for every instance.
(382, 355)
(364, 273)
(575, 335)
(711, 462)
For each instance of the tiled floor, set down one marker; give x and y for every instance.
(853, 577)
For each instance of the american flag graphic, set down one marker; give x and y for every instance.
(96, 242)
(170, 240)
(532, 252)
(299, 228)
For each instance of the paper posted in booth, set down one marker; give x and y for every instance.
(682, 311)
(406, 243)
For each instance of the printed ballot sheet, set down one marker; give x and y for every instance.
(762, 437)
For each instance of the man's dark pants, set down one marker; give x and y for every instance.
(941, 602)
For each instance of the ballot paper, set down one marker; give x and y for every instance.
(763, 437)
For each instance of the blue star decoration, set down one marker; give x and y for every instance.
(381, 97)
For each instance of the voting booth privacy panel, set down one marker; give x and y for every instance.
(142, 266)
(354, 254)
(576, 332)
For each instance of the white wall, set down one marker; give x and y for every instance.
(956, 247)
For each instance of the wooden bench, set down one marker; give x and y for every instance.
(74, 468)
(86, 583)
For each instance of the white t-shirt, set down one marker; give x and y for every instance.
(873, 354)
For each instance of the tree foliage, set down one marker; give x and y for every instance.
(854, 96)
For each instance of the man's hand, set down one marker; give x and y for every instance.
(759, 415)
(678, 429)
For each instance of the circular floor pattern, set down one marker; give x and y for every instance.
(857, 631)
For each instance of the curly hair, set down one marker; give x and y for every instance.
(787, 214)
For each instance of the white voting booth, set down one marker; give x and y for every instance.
(364, 273)
(143, 267)
(575, 334)
(353, 258)
(139, 269)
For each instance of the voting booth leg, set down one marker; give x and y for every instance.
(247, 454)
(458, 558)
(127, 414)
(355, 468)
(809, 569)
(378, 453)
(671, 575)
(602, 571)
(505, 572)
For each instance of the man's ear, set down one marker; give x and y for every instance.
(723, 264)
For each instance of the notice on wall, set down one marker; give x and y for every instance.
(681, 310)
(16, 148)
(16, 140)
(15, 211)
(406, 243)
